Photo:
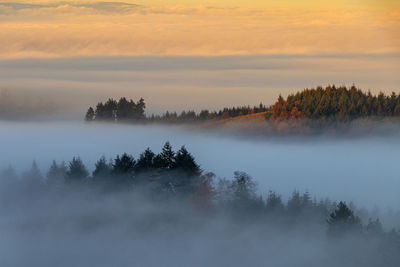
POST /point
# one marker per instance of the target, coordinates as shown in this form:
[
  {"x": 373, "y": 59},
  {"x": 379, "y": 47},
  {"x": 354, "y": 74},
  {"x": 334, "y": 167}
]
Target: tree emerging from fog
[{"x": 174, "y": 180}]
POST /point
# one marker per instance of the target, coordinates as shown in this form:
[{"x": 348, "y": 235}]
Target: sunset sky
[
  {"x": 192, "y": 54},
  {"x": 195, "y": 27}
]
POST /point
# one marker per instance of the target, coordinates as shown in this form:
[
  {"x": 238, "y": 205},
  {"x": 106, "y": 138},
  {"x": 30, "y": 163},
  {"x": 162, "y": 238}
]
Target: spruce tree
[
  {"x": 76, "y": 171},
  {"x": 145, "y": 161},
  {"x": 186, "y": 162},
  {"x": 102, "y": 169}
]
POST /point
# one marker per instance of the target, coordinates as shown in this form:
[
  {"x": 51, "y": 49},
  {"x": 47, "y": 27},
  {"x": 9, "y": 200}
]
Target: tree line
[
  {"x": 338, "y": 103},
  {"x": 168, "y": 170},
  {"x": 129, "y": 110},
  {"x": 121, "y": 110},
  {"x": 331, "y": 102},
  {"x": 176, "y": 174},
  {"x": 207, "y": 115}
]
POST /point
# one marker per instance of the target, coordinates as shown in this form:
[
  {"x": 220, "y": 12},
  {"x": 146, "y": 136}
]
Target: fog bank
[{"x": 363, "y": 170}]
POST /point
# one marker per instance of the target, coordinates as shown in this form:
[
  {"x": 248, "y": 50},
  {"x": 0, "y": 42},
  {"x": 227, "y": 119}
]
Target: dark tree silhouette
[
  {"x": 186, "y": 162},
  {"x": 123, "y": 169},
  {"x": 102, "y": 169},
  {"x": 124, "y": 164},
  {"x": 166, "y": 159},
  {"x": 90, "y": 114},
  {"x": 145, "y": 161},
  {"x": 76, "y": 171},
  {"x": 343, "y": 220}
]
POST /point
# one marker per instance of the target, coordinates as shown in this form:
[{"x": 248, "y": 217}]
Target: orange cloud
[{"x": 71, "y": 29}]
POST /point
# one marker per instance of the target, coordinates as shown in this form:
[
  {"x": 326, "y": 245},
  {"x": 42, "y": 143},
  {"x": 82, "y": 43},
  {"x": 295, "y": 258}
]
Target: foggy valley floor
[
  {"x": 84, "y": 226},
  {"x": 80, "y": 226},
  {"x": 363, "y": 170}
]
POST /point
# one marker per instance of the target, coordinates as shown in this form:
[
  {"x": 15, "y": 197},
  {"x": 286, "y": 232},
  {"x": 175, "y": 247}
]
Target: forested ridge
[
  {"x": 335, "y": 103},
  {"x": 329, "y": 103}
]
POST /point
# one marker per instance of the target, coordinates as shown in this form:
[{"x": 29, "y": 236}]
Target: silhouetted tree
[
  {"x": 123, "y": 168},
  {"x": 102, "y": 169},
  {"x": 140, "y": 108},
  {"x": 166, "y": 159},
  {"x": 145, "y": 161},
  {"x": 186, "y": 162},
  {"x": 76, "y": 171},
  {"x": 90, "y": 114},
  {"x": 343, "y": 220}
]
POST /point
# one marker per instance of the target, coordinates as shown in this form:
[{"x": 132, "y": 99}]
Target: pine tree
[
  {"x": 76, "y": 171},
  {"x": 166, "y": 159},
  {"x": 123, "y": 168},
  {"x": 186, "y": 162},
  {"x": 140, "y": 108},
  {"x": 343, "y": 220},
  {"x": 145, "y": 161},
  {"x": 90, "y": 114},
  {"x": 102, "y": 169}
]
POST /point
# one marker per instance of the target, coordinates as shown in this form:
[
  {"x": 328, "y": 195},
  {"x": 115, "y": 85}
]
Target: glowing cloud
[{"x": 76, "y": 28}]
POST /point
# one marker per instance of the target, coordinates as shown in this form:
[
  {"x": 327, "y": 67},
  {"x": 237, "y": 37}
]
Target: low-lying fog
[
  {"x": 362, "y": 170},
  {"x": 80, "y": 226}
]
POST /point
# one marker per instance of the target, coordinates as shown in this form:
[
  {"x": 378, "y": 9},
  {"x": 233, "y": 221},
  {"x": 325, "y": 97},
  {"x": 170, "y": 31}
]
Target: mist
[
  {"x": 122, "y": 229},
  {"x": 80, "y": 226},
  {"x": 363, "y": 170},
  {"x": 66, "y": 87}
]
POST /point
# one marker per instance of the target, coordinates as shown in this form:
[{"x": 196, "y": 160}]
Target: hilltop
[{"x": 304, "y": 112}]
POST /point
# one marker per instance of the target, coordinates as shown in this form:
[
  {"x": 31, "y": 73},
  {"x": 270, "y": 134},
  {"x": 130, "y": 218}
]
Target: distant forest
[
  {"x": 331, "y": 103},
  {"x": 176, "y": 175},
  {"x": 124, "y": 110}
]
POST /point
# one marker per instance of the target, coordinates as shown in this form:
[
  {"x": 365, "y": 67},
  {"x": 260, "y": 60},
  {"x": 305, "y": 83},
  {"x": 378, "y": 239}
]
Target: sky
[
  {"x": 194, "y": 27},
  {"x": 191, "y": 54}
]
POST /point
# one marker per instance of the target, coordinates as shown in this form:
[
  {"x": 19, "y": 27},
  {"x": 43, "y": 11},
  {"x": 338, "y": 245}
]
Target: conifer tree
[
  {"x": 166, "y": 159},
  {"x": 343, "y": 220},
  {"x": 77, "y": 171},
  {"x": 102, "y": 169},
  {"x": 145, "y": 161},
  {"x": 90, "y": 114},
  {"x": 186, "y": 162}
]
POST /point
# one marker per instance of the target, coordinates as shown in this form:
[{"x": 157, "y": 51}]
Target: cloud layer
[{"x": 116, "y": 28}]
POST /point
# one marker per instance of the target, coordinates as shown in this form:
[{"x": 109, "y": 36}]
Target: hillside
[{"x": 335, "y": 104}]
